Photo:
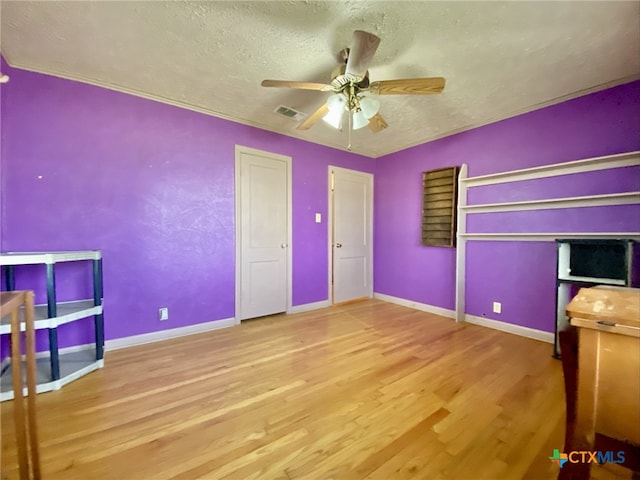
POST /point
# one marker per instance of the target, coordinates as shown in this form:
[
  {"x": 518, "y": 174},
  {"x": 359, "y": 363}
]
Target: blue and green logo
[{"x": 559, "y": 458}]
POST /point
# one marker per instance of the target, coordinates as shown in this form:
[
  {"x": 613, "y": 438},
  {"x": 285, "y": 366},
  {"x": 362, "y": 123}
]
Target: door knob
[
  {"x": 338, "y": 245},
  {"x": 283, "y": 245}
]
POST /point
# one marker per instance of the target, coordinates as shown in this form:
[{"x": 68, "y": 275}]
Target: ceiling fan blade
[
  {"x": 377, "y": 123},
  {"x": 362, "y": 49},
  {"x": 311, "y": 120},
  {"x": 408, "y": 86},
  {"x": 299, "y": 85}
]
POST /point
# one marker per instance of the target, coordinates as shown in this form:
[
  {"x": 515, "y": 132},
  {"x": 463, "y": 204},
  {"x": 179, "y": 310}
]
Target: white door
[
  {"x": 352, "y": 248},
  {"x": 262, "y": 233}
]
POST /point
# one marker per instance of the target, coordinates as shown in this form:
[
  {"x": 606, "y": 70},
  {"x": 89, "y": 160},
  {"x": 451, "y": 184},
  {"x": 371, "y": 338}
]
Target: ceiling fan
[{"x": 349, "y": 84}]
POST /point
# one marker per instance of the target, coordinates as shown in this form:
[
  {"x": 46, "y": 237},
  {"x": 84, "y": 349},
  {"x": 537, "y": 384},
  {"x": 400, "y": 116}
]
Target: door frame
[
  {"x": 330, "y": 228},
  {"x": 239, "y": 150}
]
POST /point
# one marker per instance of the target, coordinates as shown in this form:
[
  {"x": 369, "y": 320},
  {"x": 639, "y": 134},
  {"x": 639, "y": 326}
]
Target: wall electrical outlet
[
  {"x": 497, "y": 307},
  {"x": 163, "y": 313}
]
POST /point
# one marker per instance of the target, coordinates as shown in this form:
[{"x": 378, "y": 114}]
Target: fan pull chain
[{"x": 349, "y": 141}]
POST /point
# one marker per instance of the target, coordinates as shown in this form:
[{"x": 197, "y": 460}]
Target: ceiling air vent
[{"x": 290, "y": 113}]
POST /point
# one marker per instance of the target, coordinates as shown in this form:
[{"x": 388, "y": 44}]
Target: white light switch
[{"x": 318, "y": 218}]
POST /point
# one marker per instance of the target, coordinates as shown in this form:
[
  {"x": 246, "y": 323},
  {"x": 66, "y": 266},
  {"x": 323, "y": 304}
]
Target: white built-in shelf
[
  {"x": 30, "y": 258},
  {"x": 625, "y": 198},
  {"x": 73, "y": 365},
  {"x": 556, "y": 170},
  {"x": 578, "y": 166},
  {"x": 67, "y": 312},
  {"x": 546, "y": 236}
]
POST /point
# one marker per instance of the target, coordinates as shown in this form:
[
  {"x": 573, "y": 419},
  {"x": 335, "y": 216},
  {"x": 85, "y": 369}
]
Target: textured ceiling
[{"x": 499, "y": 58}]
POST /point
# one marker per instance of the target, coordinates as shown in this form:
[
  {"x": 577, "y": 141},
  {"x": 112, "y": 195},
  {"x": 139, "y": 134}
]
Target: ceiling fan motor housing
[{"x": 340, "y": 80}]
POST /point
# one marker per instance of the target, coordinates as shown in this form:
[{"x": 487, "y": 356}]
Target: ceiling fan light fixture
[
  {"x": 334, "y": 118},
  {"x": 359, "y": 120},
  {"x": 369, "y": 106},
  {"x": 337, "y": 103}
]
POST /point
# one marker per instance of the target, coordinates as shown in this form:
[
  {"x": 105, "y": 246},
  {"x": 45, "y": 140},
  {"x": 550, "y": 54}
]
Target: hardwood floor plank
[
  {"x": 412, "y": 437},
  {"x": 364, "y": 390}
]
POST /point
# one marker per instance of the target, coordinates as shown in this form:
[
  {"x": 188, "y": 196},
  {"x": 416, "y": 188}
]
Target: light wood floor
[{"x": 367, "y": 390}]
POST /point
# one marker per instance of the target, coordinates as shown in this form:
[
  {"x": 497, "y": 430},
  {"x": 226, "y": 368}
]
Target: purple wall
[
  {"x": 521, "y": 275},
  {"x": 152, "y": 186}
]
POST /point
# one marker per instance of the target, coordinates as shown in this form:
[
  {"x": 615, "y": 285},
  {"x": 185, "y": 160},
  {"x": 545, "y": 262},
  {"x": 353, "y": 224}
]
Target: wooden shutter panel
[{"x": 439, "y": 207}]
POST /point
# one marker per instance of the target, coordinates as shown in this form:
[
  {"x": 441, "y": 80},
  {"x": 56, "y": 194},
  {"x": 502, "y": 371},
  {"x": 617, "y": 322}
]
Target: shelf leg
[
  {"x": 52, "y": 311},
  {"x": 53, "y": 348},
  {"x": 10, "y": 278},
  {"x": 97, "y": 301}
]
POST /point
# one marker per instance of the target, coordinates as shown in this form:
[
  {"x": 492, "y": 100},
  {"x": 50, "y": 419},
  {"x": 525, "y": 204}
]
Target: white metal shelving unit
[
  {"x": 545, "y": 171},
  {"x": 56, "y": 370}
]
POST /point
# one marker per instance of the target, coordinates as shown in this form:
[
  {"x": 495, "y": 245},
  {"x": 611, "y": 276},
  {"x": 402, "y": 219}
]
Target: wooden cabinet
[{"x": 608, "y": 373}]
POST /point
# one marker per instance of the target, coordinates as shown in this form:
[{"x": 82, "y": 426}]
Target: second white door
[{"x": 352, "y": 244}]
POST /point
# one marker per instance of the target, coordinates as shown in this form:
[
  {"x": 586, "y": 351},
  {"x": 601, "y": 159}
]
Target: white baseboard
[
  {"x": 443, "y": 312},
  {"x": 307, "y": 307},
  {"x": 135, "y": 340},
  {"x": 481, "y": 321},
  {"x": 510, "y": 328}
]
